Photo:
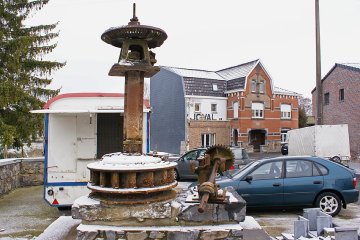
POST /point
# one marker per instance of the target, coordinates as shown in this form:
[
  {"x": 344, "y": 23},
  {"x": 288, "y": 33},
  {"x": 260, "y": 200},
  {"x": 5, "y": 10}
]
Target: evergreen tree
[
  {"x": 302, "y": 117},
  {"x": 24, "y": 75}
]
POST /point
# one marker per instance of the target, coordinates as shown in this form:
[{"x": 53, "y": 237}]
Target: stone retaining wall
[{"x": 20, "y": 172}]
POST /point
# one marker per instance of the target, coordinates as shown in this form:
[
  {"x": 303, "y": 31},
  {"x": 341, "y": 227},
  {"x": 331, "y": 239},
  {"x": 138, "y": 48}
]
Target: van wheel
[{"x": 329, "y": 203}]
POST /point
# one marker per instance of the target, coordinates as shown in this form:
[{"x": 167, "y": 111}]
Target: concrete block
[
  {"x": 311, "y": 214},
  {"x": 323, "y": 220},
  {"x": 346, "y": 233},
  {"x": 329, "y": 232},
  {"x": 301, "y": 227}
]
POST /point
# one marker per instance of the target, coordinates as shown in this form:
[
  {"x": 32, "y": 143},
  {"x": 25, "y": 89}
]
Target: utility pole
[{"x": 319, "y": 89}]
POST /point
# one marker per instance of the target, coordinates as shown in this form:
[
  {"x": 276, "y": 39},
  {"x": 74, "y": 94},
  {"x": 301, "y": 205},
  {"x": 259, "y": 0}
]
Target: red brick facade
[
  {"x": 342, "y": 111},
  {"x": 262, "y": 134}
]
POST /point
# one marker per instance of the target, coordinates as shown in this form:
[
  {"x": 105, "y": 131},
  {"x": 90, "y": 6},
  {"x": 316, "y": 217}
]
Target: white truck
[{"x": 327, "y": 141}]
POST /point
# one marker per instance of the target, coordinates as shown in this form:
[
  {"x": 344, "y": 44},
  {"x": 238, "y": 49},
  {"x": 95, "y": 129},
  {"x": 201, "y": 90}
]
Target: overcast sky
[{"x": 205, "y": 34}]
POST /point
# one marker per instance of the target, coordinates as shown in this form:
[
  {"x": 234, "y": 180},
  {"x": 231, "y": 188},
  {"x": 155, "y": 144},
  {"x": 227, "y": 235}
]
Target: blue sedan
[{"x": 295, "y": 181}]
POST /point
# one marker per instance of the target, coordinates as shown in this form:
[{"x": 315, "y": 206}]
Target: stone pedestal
[
  {"x": 180, "y": 211},
  {"x": 173, "y": 219}
]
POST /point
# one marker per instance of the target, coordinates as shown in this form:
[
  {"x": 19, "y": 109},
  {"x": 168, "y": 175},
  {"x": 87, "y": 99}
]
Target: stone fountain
[{"x": 132, "y": 195}]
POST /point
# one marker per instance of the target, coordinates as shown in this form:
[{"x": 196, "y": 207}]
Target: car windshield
[{"x": 238, "y": 173}]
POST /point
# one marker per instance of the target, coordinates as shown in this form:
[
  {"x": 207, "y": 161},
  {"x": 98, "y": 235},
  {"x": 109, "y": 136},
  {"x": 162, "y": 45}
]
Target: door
[
  {"x": 62, "y": 147},
  {"x": 257, "y": 138},
  {"x": 264, "y": 186},
  {"x": 302, "y": 182},
  {"x": 109, "y": 133}
]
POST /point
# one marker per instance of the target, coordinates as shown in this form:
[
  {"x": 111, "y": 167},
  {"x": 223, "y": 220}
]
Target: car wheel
[
  {"x": 329, "y": 203},
  {"x": 176, "y": 175}
]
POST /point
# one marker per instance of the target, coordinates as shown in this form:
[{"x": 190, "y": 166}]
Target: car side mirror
[{"x": 249, "y": 178}]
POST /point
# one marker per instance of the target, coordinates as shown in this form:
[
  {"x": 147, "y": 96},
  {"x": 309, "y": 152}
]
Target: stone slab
[
  {"x": 249, "y": 229},
  {"x": 220, "y": 213}
]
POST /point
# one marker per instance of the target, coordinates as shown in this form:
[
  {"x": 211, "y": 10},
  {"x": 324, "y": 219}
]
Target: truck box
[{"x": 327, "y": 141}]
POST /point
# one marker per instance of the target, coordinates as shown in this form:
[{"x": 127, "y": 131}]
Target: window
[
  {"x": 253, "y": 85},
  {"x": 341, "y": 95},
  {"x": 197, "y": 107},
  {"x": 236, "y": 109},
  {"x": 190, "y": 156},
  {"x": 326, "y": 98},
  {"x": 300, "y": 168},
  {"x": 214, "y": 107},
  {"x": 322, "y": 169},
  {"x": 269, "y": 170},
  {"x": 207, "y": 140},
  {"x": 285, "y": 111},
  {"x": 257, "y": 110},
  {"x": 262, "y": 87},
  {"x": 215, "y": 87}
]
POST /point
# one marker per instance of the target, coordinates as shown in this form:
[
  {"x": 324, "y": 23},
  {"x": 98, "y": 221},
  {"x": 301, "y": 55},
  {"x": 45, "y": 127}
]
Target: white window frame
[
  {"x": 257, "y": 110},
  {"x": 285, "y": 111},
  {"x": 197, "y": 104},
  {"x": 236, "y": 109},
  {"x": 208, "y": 139}
]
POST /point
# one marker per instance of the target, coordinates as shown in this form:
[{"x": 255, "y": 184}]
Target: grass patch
[{"x": 273, "y": 231}]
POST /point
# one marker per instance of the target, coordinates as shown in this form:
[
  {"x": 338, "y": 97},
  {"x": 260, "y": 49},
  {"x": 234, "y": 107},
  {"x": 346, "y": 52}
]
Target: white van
[{"x": 79, "y": 129}]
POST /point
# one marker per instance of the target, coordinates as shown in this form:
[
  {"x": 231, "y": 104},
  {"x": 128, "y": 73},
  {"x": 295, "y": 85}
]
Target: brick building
[
  {"x": 236, "y": 106},
  {"x": 341, "y": 101}
]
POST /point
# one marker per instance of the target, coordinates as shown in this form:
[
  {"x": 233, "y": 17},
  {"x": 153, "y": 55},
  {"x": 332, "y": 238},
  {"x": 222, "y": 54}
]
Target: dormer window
[{"x": 215, "y": 87}]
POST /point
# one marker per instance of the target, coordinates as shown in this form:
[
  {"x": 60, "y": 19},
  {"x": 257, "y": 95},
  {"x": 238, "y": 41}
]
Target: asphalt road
[{"x": 24, "y": 214}]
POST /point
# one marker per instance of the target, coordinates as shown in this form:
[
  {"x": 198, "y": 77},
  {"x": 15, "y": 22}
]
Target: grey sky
[{"x": 205, "y": 34}]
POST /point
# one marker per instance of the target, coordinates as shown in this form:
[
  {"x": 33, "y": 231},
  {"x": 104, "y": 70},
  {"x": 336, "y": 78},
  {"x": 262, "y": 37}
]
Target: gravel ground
[{"x": 24, "y": 213}]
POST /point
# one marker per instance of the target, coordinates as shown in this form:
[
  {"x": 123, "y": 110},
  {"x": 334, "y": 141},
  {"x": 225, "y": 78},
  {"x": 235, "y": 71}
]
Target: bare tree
[{"x": 306, "y": 104}]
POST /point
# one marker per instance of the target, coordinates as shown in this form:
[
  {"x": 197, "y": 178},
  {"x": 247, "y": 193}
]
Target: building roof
[
  {"x": 239, "y": 71},
  {"x": 200, "y": 82},
  {"x": 282, "y": 91},
  {"x": 350, "y": 66},
  {"x": 195, "y": 73}
]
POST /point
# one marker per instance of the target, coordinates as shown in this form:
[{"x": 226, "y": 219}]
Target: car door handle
[
  {"x": 276, "y": 184},
  {"x": 317, "y": 182}
]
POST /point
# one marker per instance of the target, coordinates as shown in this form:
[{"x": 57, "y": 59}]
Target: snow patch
[
  {"x": 85, "y": 201},
  {"x": 122, "y": 161},
  {"x": 59, "y": 229}
]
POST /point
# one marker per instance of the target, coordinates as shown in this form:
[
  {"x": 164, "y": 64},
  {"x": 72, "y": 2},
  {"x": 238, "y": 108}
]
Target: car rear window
[{"x": 323, "y": 170}]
